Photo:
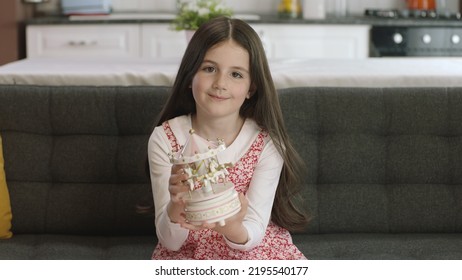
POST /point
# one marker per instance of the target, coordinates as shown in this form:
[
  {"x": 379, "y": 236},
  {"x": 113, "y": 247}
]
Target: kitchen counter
[
  {"x": 251, "y": 18},
  {"x": 371, "y": 72}
]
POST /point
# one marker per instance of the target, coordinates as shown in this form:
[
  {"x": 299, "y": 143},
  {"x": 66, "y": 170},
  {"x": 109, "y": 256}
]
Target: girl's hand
[
  {"x": 233, "y": 229},
  {"x": 177, "y": 189}
]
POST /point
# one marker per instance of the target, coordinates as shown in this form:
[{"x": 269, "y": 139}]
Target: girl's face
[{"x": 222, "y": 82}]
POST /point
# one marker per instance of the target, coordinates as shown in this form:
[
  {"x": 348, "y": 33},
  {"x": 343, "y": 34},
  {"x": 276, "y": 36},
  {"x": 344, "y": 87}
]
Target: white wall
[{"x": 355, "y": 7}]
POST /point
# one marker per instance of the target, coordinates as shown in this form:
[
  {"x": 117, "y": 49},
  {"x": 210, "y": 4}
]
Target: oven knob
[
  {"x": 397, "y": 38},
  {"x": 455, "y": 39},
  {"x": 426, "y": 39}
]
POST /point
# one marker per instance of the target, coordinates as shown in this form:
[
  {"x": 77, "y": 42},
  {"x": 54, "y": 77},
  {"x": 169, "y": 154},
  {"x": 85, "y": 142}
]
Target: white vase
[{"x": 314, "y": 9}]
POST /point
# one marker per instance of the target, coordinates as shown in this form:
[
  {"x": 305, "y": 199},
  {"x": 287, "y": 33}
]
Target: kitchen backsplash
[{"x": 354, "y": 7}]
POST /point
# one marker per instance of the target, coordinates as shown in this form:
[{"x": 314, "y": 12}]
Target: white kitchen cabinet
[
  {"x": 78, "y": 40},
  {"x": 160, "y": 41},
  {"x": 286, "y": 41}
]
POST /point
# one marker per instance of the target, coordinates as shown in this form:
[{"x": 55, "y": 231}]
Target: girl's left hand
[{"x": 233, "y": 228}]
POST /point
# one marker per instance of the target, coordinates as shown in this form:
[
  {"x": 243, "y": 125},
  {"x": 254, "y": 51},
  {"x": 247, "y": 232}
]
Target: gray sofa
[{"x": 384, "y": 177}]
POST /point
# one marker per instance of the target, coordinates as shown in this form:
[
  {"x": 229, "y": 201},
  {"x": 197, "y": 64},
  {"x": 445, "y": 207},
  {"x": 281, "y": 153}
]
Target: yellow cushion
[{"x": 5, "y": 207}]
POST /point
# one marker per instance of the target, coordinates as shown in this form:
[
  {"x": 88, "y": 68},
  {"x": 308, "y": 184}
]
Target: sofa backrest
[
  {"x": 75, "y": 157},
  {"x": 379, "y": 159}
]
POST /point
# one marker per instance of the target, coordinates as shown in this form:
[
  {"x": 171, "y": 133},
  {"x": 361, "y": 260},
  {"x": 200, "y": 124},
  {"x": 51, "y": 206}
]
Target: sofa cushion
[
  {"x": 380, "y": 160},
  {"x": 76, "y": 157},
  {"x": 380, "y": 246},
  {"x": 5, "y": 207},
  {"x": 75, "y": 247}
]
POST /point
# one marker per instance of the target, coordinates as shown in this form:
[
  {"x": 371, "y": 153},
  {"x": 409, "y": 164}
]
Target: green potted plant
[{"x": 192, "y": 14}]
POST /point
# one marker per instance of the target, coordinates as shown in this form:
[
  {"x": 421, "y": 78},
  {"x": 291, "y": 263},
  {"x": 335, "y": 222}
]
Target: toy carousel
[{"x": 212, "y": 198}]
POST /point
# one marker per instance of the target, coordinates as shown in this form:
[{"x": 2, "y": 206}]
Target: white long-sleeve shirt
[{"x": 260, "y": 194}]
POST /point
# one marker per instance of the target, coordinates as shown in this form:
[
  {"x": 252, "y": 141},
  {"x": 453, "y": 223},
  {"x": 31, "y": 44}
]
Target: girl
[{"x": 224, "y": 89}]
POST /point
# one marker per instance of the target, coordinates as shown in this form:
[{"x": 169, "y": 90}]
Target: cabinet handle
[{"x": 82, "y": 43}]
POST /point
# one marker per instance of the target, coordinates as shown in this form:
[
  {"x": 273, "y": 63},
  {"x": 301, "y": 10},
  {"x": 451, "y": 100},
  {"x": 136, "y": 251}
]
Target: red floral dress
[{"x": 208, "y": 244}]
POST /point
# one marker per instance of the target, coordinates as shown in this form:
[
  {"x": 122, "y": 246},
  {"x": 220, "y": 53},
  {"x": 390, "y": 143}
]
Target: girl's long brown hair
[{"x": 263, "y": 107}]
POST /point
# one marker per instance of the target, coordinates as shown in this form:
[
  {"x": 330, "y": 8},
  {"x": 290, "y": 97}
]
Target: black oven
[
  {"x": 425, "y": 34},
  {"x": 416, "y": 41}
]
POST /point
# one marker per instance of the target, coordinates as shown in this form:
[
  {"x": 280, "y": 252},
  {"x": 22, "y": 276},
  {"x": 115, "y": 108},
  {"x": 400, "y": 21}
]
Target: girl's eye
[
  {"x": 237, "y": 75},
  {"x": 209, "y": 69}
]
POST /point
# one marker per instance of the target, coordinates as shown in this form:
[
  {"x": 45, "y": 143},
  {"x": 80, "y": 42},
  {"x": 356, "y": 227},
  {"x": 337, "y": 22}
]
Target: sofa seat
[
  {"x": 77, "y": 247},
  {"x": 380, "y": 246},
  {"x": 345, "y": 246}
]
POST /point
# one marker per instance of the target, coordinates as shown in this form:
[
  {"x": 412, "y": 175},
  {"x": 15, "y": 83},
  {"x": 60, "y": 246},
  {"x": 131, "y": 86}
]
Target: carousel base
[{"x": 216, "y": 206}]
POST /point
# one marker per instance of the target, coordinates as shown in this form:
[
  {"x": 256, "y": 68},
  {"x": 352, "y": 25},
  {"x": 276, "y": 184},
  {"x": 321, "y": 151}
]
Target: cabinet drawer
[
  {"x": 83, "y": 41},
  {"x": 314, "y": 41}
]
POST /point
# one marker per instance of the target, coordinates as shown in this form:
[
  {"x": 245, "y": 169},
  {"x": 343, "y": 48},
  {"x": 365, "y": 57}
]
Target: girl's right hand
[{"x": 177, "y": 189}]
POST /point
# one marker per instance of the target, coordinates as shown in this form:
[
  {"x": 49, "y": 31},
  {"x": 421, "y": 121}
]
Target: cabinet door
[
  {"x": 82, "y": 40},
  {"x": 314, "y": 41},
  {"x": 160, "y": 41}
]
